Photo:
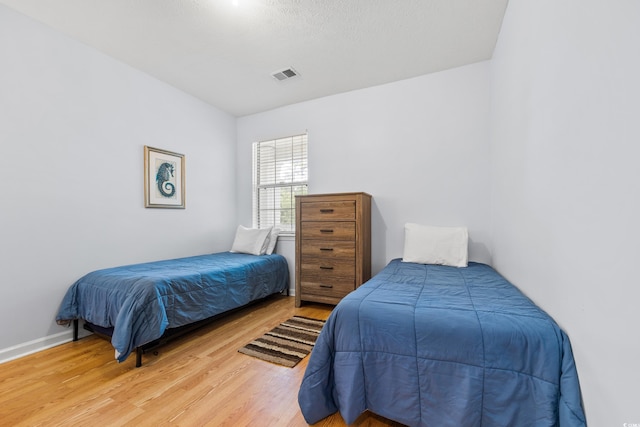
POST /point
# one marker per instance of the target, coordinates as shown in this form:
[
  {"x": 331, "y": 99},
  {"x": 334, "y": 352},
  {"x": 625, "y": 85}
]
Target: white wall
[
  {"x": 566, "y": 183},
  {"x": 73, "y": 123},
  {"x": 418, "y": 146}
]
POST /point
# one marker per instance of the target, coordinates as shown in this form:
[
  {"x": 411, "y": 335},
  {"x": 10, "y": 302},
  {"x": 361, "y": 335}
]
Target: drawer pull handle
[
  {"x": 326, "y": 286},
  {"x": 327, "y": 249},
  {"x": 322, "y": 267},
  {"x": 326, "y": 210},
  {"x": 326, "y": 231}
]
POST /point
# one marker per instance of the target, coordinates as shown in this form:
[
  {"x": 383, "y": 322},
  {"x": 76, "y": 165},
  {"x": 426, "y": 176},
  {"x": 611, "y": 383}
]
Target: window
[{"x": 279, "y": 174}]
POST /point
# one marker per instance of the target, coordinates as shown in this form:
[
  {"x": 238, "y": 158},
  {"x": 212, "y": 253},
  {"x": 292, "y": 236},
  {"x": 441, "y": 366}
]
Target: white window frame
[{"x": 280, "y": 172}]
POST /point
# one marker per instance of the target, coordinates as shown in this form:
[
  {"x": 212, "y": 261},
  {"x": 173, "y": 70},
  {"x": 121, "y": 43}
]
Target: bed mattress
[
  {"x": 430, "y": 345},
  {"x": 141, "y": 301}
]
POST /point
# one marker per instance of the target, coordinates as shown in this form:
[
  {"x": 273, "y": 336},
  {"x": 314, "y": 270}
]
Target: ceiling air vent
[{"x": 285, "y": 74}]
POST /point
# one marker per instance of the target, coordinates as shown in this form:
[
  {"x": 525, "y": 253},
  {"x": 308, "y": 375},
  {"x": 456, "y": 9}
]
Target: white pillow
[
  {"x": 436, "y": 245},
  {"x": 251, "y": 240},
  {"x": 272, "y": 240}
]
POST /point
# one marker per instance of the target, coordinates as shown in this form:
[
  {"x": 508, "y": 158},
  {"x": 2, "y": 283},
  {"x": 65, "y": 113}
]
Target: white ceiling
[{"x": 225, "y": 54}]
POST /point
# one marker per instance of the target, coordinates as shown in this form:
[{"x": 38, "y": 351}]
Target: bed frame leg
[
  {"x": 75, "y": 329},
  {"x": 138, "y": 357}
]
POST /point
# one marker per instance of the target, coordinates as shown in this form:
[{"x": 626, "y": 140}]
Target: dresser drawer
[
  {"x": 328, "y": 211},
  {"x": 332, "y": 230},
  {"x": 328, "y": 268},
  {"x": 335, "y": 289},
  {"x": 329, "y": 249}
]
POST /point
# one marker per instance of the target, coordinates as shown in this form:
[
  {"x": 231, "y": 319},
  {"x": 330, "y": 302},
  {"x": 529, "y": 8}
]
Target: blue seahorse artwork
[{"x": 163, "y": 178}]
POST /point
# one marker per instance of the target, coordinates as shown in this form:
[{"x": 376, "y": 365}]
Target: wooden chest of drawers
[{"x": 333, "y": 245}]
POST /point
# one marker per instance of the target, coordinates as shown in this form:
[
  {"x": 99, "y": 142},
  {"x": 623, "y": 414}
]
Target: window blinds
[{"x": 280, "y": 174}]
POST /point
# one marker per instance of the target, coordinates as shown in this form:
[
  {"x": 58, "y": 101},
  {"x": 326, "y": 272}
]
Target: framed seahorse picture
[{"x": 163, "y": 179}]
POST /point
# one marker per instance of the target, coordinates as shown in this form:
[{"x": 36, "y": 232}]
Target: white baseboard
[{"x": 20, "y": 350}]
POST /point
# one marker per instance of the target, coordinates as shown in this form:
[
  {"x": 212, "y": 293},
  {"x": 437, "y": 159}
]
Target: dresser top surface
[{"x": 335, "y": 195}]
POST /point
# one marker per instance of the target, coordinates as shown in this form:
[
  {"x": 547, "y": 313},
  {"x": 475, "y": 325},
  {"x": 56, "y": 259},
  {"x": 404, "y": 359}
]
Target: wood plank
[{"x": 197, "y": 380}]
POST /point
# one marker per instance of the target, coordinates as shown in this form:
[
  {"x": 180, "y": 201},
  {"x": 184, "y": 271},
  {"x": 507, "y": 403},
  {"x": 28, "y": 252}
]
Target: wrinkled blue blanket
[
  {"x": 140, "y": 301},
  {"x": 429, "y": 345}
]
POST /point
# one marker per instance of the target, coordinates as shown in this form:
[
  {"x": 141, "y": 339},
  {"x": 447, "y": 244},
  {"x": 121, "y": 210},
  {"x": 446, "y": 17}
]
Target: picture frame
[{"x": 164, "y": 183}]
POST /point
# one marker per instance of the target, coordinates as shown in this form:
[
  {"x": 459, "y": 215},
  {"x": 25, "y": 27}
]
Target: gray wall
[
  {"x": 420, "y": 147},
  {"x": 73, "y": 123},
  {"x": 566, "y": 183}
]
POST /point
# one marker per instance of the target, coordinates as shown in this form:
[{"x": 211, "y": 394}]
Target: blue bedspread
[
  {"x": 429, "y": 345},
  {"x": 140, "y": 301}
]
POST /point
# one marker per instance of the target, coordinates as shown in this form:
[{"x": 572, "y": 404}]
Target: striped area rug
[{"x": 288, "y": 343}]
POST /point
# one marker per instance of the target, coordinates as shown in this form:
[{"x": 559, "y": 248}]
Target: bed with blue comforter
[
  {"x": 431, "y": 345},
  {"x": 141, "y": 301}
]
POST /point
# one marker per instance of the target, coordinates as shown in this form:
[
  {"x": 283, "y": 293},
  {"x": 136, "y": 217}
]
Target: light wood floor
[{"x": 197, "y": 380}]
